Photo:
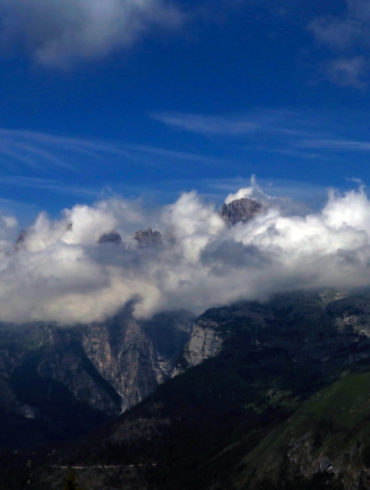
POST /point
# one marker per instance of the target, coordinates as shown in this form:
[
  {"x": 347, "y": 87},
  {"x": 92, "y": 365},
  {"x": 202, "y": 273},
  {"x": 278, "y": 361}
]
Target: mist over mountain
[
  {"x": 105, "y": 329},
  {"x": 88, "y": 264}
]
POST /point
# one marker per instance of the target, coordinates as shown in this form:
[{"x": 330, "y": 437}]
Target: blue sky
[{"x": 149, "y": 98}]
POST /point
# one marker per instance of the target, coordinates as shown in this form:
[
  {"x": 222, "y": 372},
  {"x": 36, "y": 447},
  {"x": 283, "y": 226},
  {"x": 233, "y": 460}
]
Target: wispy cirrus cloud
[
  {"x": 207, "y": 124},
  {"x": 349, "y": 72},
  {"x": 273, "y": 121},
  {"x": 43, "y": 151},
  {"x": 337, "y": 33},
  {"x": 335, "y": 144},
  {"x": 23, "y": 150},
  {"x": 86, "y": 168},
  {"x": 297, "y": 135},
  {"x": 342, "y": 32},
  {"x": 280, "y": 134},
  {"x": 51, "y": 185},
  {"x": 347, "y": 36}
]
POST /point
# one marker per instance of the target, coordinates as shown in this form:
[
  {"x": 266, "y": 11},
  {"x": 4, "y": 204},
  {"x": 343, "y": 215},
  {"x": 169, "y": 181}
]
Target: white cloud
[
  {"x": 346, "y": 34},
  {"x": 348, "y": 72},
  {"x": 8, "y": 228},
  {"x": 251, "y": 192},
  {"x": 335, "y": 144},
  {"x": 58, "y": 32},
  {"x": 59, "y": 272},
  {"x": 209, "y": 125},
  {"x": 253, "y": 123},
  {"x": 337, "y": 33},
  {"x": 193, "y": 224},
  {"x": 342, "y": 32}
]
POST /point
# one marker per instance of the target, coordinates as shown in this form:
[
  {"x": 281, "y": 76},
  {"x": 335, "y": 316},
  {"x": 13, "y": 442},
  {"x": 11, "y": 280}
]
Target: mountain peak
[
  {"x": 148, "y": 238},
  {"x": 112, "y": 237},
  {"x": 240, "y": 210}
]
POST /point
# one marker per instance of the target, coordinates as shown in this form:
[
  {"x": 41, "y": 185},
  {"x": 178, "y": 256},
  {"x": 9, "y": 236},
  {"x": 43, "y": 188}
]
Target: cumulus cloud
[
  {"x": 58, "y": 32},
  {"x": 8, "y": 228},
  {"x": 59, "y": 272},
  {"x": 251, "y": 192}
]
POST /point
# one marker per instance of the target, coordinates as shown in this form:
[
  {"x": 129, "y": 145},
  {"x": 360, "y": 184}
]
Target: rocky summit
[
  {"x": 148, "y": 238},
  {"x": 240, "y": 210}
]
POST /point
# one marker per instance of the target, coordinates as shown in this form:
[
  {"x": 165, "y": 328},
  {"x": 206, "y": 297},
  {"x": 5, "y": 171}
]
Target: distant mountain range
[
  {"x": 264, "y": 395},
  {"x": 255, "y": 395},
  {"x": 60, "y": 382}
]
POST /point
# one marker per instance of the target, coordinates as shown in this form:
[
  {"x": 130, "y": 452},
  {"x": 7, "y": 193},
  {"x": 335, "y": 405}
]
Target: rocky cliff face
[
  {"x": 49, "y": 388},
  {"x": 57, "y": 383},
  {"x": 205, "y": 342},
  {"x": 148, "y": 238},
  {"x": 134, "y": 357},
  {"x": 309, "y": 325}
]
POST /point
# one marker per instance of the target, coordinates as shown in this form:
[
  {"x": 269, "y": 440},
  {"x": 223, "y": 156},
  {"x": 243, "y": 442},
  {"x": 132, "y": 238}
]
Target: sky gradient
[{"x": 150, "y": 98}]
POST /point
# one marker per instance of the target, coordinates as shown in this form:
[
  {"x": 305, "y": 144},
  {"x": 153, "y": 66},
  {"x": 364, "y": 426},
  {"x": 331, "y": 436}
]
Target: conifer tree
[{"x": 71, "y": 482}]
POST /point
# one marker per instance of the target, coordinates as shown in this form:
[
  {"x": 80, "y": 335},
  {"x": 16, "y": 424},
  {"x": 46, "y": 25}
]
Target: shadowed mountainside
[
  {"x": 259, "y": 411},
  {"x": 58, "y": 382}
]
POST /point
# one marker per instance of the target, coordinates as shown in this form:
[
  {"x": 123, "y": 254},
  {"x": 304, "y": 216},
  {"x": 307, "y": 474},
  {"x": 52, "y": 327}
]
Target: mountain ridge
[{"x": 198, "y": 429}]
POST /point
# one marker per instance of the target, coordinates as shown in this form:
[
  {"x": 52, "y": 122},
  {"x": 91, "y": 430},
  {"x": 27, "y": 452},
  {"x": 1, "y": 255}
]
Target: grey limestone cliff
[
  {"x": 59, "y": 382},
  {"x": 135, "y": 356},
  {"x": 204, "y": 343}
]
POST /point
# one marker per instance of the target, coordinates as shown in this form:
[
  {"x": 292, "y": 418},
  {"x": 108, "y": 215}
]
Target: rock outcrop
[
  {"x": 135, "y": 356},
  {"x": 59, "y": 382},
  {"x": 240, "y": 211},
  {"x": 148, "y": 238},
  {"x": 112, "y": 237},
  {"x": 205, "y": 342}
]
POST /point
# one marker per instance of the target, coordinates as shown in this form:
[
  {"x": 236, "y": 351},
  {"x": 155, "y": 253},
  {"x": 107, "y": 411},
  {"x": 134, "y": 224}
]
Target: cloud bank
[
  {"x": 59, "y": 33},
  {"x": 57, "y": 270}
]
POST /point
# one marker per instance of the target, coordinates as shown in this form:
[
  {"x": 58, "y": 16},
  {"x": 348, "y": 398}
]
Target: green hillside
[{"x": 329, "y": 433}]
